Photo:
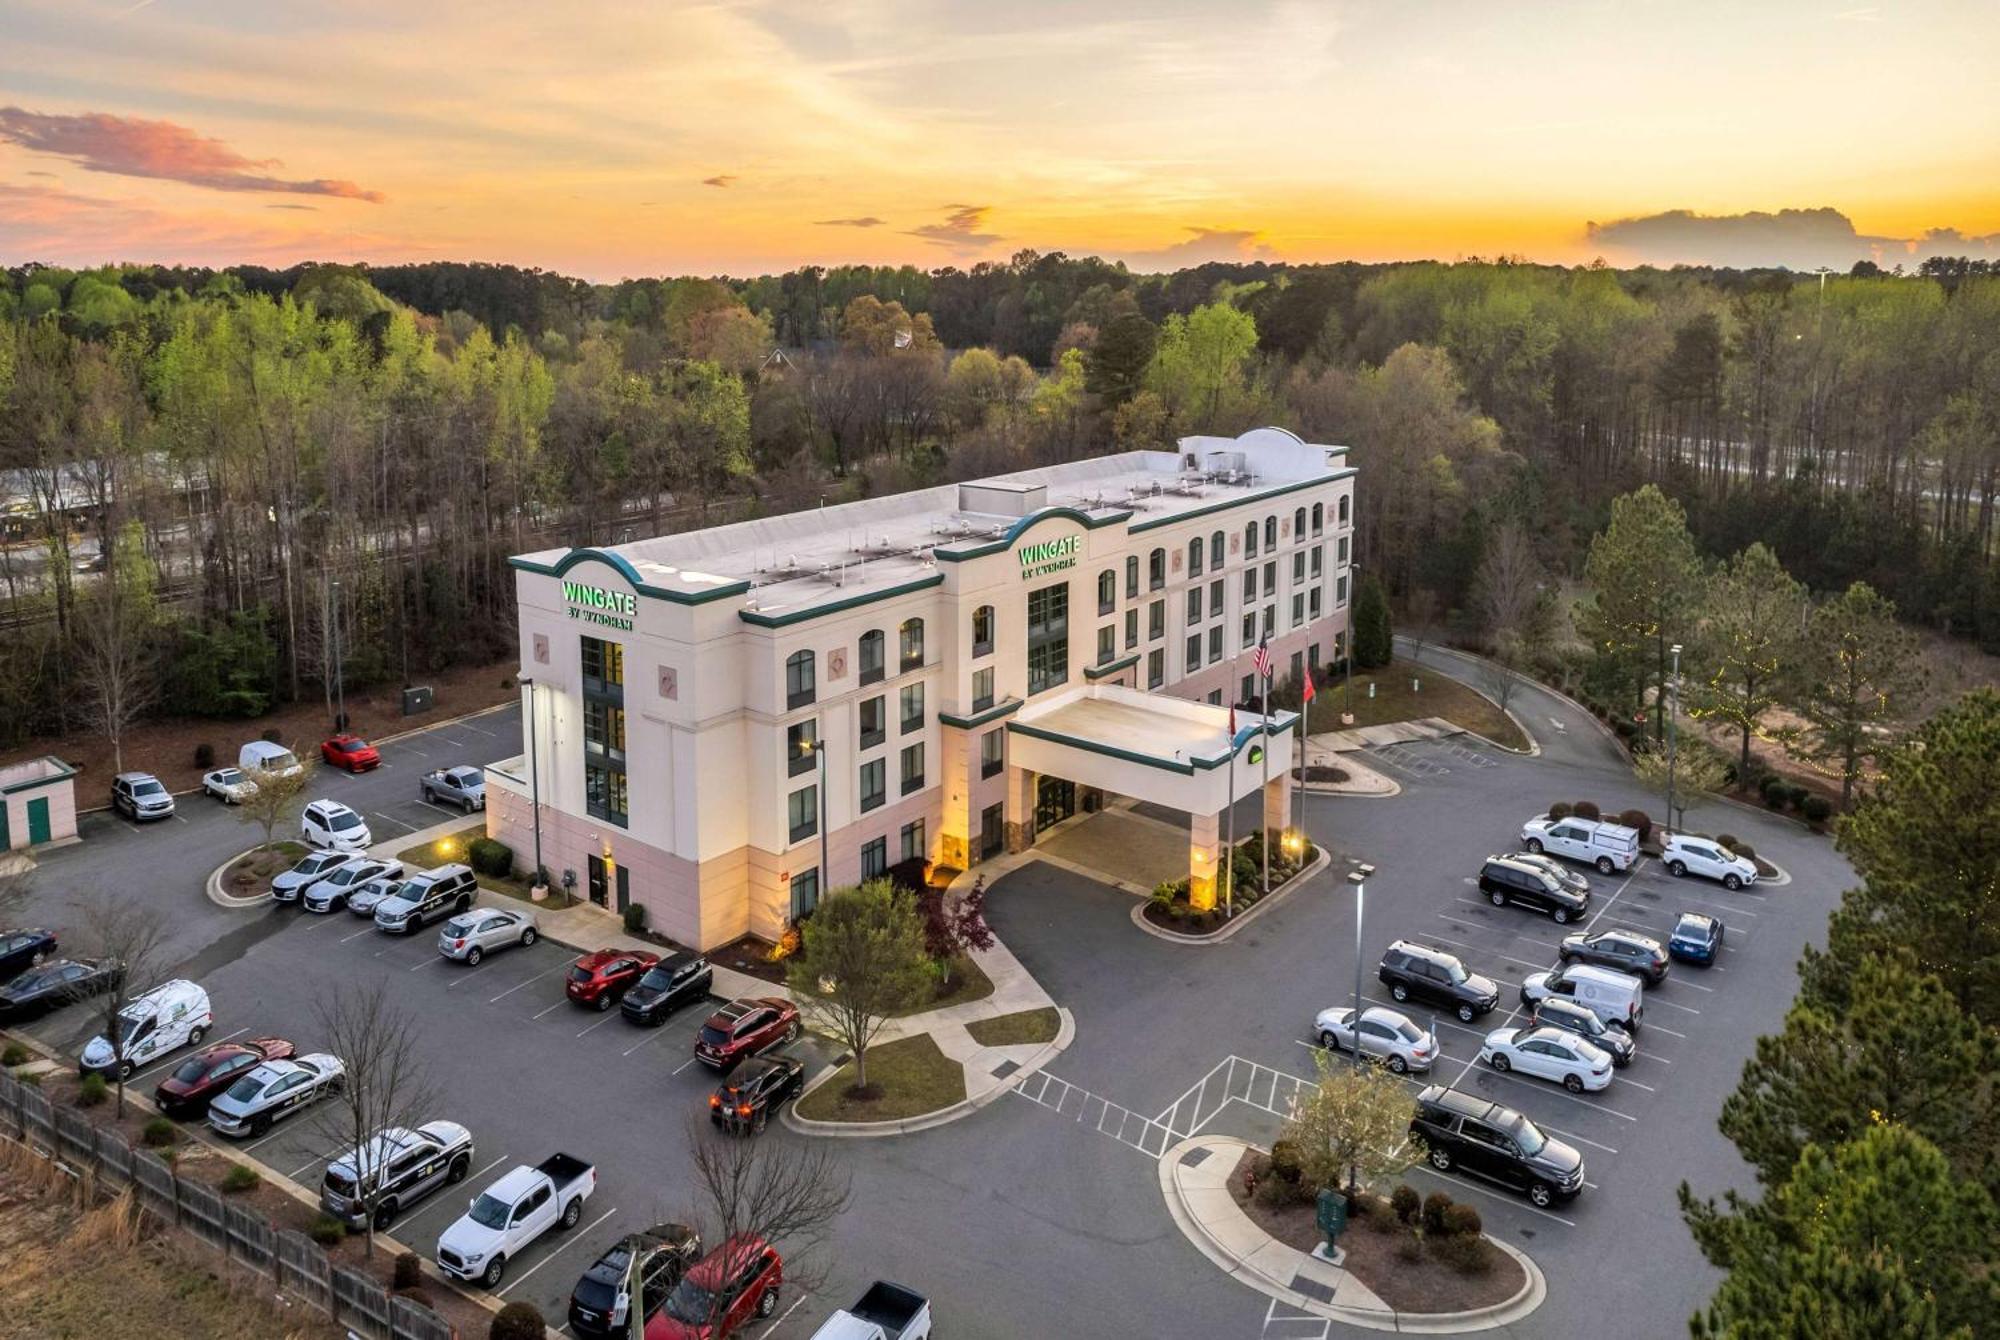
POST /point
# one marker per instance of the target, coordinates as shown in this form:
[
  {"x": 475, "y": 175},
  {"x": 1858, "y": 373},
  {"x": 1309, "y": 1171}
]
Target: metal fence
[{"x": 295, "y": 1262}]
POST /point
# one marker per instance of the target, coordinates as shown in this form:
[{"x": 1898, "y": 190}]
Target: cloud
[
  {"x": 1205, "y": 244},
  {"x": 960, "y": 229},
  {"x": 1799, "y": 239},
  {"x": 865, "y": 221},
  {"x": 305, "y": 207},
  {"x": 99, "y": 142},
  {"x": 50, "y": 175},
  {"x": 720, "y": 179}
]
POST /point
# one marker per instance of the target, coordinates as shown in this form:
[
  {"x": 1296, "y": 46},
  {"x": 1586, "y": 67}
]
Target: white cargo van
[
  {"x": 174, "y": 1014},
  {"x": 263, "y": 758},
  {"x": 1615, "y": 997}
]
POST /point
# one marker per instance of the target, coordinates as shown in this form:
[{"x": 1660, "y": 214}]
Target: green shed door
[{"x": 38, "y": 820}]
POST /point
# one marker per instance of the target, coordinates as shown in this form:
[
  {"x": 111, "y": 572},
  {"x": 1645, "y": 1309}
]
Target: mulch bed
[
  {"x": 750, "y": 954},
  {"x": 1423, "y": 1285},
  {"x": 1320, "y": 772},
  {"x": 252, "y": 872}
]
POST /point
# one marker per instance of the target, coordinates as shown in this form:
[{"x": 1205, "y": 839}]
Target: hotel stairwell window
[
  {"x": 1194, "y": 605},
  {"x": 1270, "y": 532},
  {"x": 1250, "y": 540},
  {"x": 1270, "y": 620},
  {"x": 874, "y": 784},
  {"x": 1249, "y": 585},
  {"x": 802, "y": 812},
  {"x": 1341, "y": 556},
  {"x": 1131, "y": 575},
  {"x": 1319, "y": 517},
  {"x": 910, "y": 644},
  {"x": 1215, "y": 642},
  {"x": 913, "y": 768},
  {"x": 1299, "y": 526},
  {"x": 1194, "y": 653},
  {"x": 604, "y": 782},
  {"x": 874, "y": 721},
  {"x": 874, "y": 858},
  {"x": 1215, "y": 599},
  {"x": 1298, "y": 609},
  {"x": 1343, "y": 509},
  {"x": 1048, "y": 636},
  {"x": 1312, "y": 603},
  {"x": 1107, "y": 591},
  {"x": 799, "y": 685},
  {"x": 1298, "y": 568},
  {"x": 982, "y": 631},
  {"x": 1156, "y": 570},
  {"x": 1271, "y": 578},
  {"x": 1217, "y": 552},
  {"x": 1131, "y": 629},
  {"x": 992, "y": 752},
  {"x": 801, "y": 741},
  {"x": 982, "y": 689},
  {"x": 1156, "y": 668},
  {"x": 1107, "y": 644},
  {"x": 910, "y": 698},
  {"x": 1194, "y": 556},
  {"x": 1249, "y": 690},
  {"x": 1319, "y": 560},
  {"x": 1340, "y": 589},
  {"x": 914, "y": 846},
  {"x": 1156, "y": 620},
  {"x": 872, "y": 644}
]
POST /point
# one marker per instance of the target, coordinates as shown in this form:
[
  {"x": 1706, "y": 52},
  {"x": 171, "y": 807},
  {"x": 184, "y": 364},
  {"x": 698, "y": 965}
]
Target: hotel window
[
  {"x": 874, "y": 858},
  {"x": 911, "y": 699},
  {"x": 801, "y": 739},
  {"x": 982, "y": 689},
  {"x": 798, "y": 679},
  {"x": 1156, "y": 668},
  {"x": 911, "y": 643},
  {"x": 1194, "y": 605},
  {"x": 913, "y": 768},
  {"x": 1343, "y": 509},
  {"x": 1299, "y": 526},
  {"x": 982, "y": 631},
  {"x": 1270, "y": 620},
  {"x": 1215, "y": 599},
  {"x": 1312, "y": 657},
  {"x": 1271, "y": 578},
  {"x": 874, "y": 784},
  {"x": 805, "y": 894},
  {"x": 1194, "y": 653},
  {"x": 1048, "y": 637},
  {"x": 1131, "y": 629},
  {"x": 1299, "y": 568},
  {"x": 1298, "y": 609},
  {"x": 871, "y": 655},
  {"x": 1107, "y": 591},
  {"x": 604, "y": 667},
  {"x": 1156, "y": 620},
  {"x": 802, "y": 809},
  {"x": 874, "y": 724},
  {"x": 1340, "y": 589},
  {"x": 1156, "y": 570},
  {"x": 1319, "y": 559},
  {"x": 1341, "y": 557},
  {"x": 992, "y": 829},
  {"x": 1215, "y": 642},
  {"x": 1249, "y": 690},
  {"x": 1131, "y": 576},
  {"x": 1249, "y": 628},
  {"x": 1270, "y": 532},
  {"x": 1249, "y": 584},
  {"x": 914, "y": 847},
  {"x": 992, "y": 752},
  {"x": 1107, "y": 643},
  {"x": 1215, "y": 697},
  {"x": 1319, "y": 517},
  {"x": 1216, "y": 552},
  {"x": 1250, "y": 540},
  {"x": 1194, "y": 557},
  {"x": 604, "y": 794},
  {"x": 1298, "y": 666},
  {"x": 1312, "y": 603}
]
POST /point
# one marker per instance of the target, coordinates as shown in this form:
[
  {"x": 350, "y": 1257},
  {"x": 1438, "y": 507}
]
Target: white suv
[
  {"x": 1607, "y": 846},
  {"x": 1688, "y": 855},
  {"x": 330, "y": 825}
]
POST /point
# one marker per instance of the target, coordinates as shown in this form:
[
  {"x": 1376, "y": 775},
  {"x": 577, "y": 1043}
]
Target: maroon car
[
  {"x": 601, "y": 980},
  {"x": 186, "y": 1092},
  {"x": 745, "y": 1027}
]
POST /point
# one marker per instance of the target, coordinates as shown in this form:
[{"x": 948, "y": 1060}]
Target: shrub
[
  {"x": 1587, "y": 809},
  {"x": 518, "y": 1321},
  {"x": 1744, "y": 849},
  {"x": 1410, "y": 1250},
  {"x": 92, "y": 1091},
  {"x": 1559, "y": 810},
  {"x": 1469, "y": 1255},
  {"x": 1404, "y": 1202},
  {"x": 1435, "y": 1205},
  {"x": 1728, "y": 841},
  {"x": 1773, "y": 790},
  {"x": 204, "y": 756},
  {"x": 1276, "y": 1192},
  {"x": 1462, "y": 1220},
  {"x": 1285, "y": 1160},
  {"x": 635, "y": 918},
  {"x": 1638, "y": 819},
  {"x": 15, "y": 1054},
  {"x": 159, "y": 1133},
  {"x": 31, "y": 1078},
  {"x": 409, "y": 1271},
  {"x": 1818, "y": 809},
  {"x": 273, "y": 735},
  {"x": 239, "y": 1178},
  {"x": 1626, "y": 730},
  {"x": 490, "y": 856},
  {"x": 326, "y": 1230},
  {"x": 1163, "y": 893},
  {"x": 1177, "y": 911}
]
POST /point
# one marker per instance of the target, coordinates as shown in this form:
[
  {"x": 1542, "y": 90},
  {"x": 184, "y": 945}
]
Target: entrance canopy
[{"x": 1150, "y": 746}]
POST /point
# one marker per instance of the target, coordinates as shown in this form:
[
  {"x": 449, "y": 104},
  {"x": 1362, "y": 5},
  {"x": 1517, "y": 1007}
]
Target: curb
[
  {"x": 213, "y": 888},
  {"x": 1534, "y": 749},
  {"x": 1492, "y": 1317},
  {"x": 862, "y": 1130},
  {"x": 1237, "y": 923},
  {"x": 1549, "y": 689}
]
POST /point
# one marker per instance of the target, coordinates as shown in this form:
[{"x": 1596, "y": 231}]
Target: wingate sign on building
[
  {"x": 601, "y": 605},
  {"x": 1039, "y": 560}
]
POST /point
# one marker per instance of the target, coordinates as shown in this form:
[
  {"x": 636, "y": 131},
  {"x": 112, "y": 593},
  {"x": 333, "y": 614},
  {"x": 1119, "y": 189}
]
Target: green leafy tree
[
  {"x": 861, "y": 960},
  {"x": 1646, "y": 576},
  {"x": 1861, "y": 667},
  {"x": 1876, "y": 1237},
  {"x": 1199, "y": 366},
  {"x": 1748, "y": 643},
  {"x": 1374, "y": 636},
  {"x": 1354, "y": 1128}
]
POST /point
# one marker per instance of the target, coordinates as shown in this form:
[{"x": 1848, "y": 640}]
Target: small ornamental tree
[
  {"x": 276, "y": 799},
  {"x": 1355, "y": 1125},
  {"x": 861, "y": 960}
]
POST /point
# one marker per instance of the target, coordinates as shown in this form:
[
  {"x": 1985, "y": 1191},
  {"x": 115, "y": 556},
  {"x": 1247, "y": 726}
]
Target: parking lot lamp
[
  {"x": 1358, "y": 877},
  {"x": 534, "y": 781},
  {"x": 818, "y": 746},
  {"x": 1673, "y": 732},
  {"x": 339, "y": 679}
]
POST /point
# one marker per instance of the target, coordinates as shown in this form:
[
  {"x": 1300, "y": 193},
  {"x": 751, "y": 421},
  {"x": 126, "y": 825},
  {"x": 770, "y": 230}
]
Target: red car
[
  {"x": 745, "y": 1027},
  {"x": 186, "y": 1092},
  {"x": 735, "y": 1282},
  {"x": 601, "y": 980},
  {"x": 351, "y": 753}
]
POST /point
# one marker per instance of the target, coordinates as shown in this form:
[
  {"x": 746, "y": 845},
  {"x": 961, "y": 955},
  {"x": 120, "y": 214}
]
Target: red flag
[
  {"x": 1232, "y": 723},
  {"x": 1310, "y": 691}
]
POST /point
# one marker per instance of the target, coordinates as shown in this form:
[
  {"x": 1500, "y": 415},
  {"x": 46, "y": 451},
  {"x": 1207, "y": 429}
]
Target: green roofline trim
[
  {"x": 994, "y": 713},
  {"x": 762, "y": 620},
  {"x": 623, "y": 567},
  {"x": 1027, "y": 523},
  {"x": 1111, "y": 667},
  {"x": 1280, "y": 723},
  {"x": 64, "y": 773},
  {"x": 1245, "y": 501}
]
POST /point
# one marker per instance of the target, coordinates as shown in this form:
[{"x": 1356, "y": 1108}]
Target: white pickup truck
[
  {"x": 886, "y": 1312},
  {"x": 513, "y": 1212}
]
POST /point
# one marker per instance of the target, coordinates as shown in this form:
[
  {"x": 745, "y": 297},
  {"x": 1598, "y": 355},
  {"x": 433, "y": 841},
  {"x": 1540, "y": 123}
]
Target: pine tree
[
  {"x": 1374, "y": 636},
  {"x": 1647, "y": 578},
  {"x": 1860, "y": 669},
  {"x": 1748, "y": 642}
]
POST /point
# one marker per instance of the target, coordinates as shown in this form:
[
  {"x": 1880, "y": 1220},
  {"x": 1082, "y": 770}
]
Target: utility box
[{"x": 417, "y": 699}]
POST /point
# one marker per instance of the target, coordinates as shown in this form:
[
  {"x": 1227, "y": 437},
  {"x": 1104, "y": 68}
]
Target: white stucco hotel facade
[{"x": 939, "y": 674}]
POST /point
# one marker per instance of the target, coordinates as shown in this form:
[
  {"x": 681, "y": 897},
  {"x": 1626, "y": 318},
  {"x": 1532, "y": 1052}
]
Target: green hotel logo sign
[
  {"x": 1039, "y": 560},
  {"x": 598, "y": 605}
]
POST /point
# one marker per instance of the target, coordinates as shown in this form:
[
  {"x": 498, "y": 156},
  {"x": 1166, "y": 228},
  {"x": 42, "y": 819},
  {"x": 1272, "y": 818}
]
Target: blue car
[{"x": 1696, "y": 939}]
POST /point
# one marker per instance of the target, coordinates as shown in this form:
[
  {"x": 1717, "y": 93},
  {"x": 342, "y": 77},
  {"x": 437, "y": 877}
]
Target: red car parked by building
[
  {"x": 350, "y": 753},
  {"x": 735, "y": 1282},
  {"x": 601, "y": 980},
  {"x": 186, "y": 1092},
  {"x": 745, "y": 1027}
]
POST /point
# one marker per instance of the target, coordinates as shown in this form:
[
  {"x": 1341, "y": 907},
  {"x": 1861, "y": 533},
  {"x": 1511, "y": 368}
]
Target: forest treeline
[{"x": 213, "y": 468}]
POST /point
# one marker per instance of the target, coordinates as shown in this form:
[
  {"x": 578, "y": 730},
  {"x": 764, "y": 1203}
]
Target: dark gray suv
[
  {"x": 1414, "y": 971},
  {"x": 1508, "y": 879},
  {"x": 1471, "y": 1134}
]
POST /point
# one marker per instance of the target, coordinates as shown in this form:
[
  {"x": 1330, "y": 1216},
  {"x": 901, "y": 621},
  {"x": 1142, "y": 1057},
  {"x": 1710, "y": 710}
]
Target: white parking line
[
  {"x": 651, "y": 1036},
  {"x": 1616, "y": 894},
  {"x": 433, "y": 959},
  {"x": 1572, "y": 1135},
  {"x": 797, "y": 1303},
  {"x": 407, "y": 828},
  {"x": 489, "y": 1167},
  {"x": 1508, "y": 1200},
  {"x": 602, "y": 1020},
  {"x": 479, "y": 730},
  {"x": 530, "y": 982},
  {"x": 267, "y": 1137},
  {"x": 1662, "y": 1028},
  {"x": 682, "y": 1066},
  {"x": 1695, "y": 985},
  {"x": 365, "y": 930},
  {"x": 319, "y": 1159},
  {"x": 439, "y": 808},
  {"x": 1555, "y": 1090},
  {"x": 1672, "y": 1005},
  {"x": 1620, "y": 1079},
  {"x": 1481, "y": 949},
  {"x": 574, "y": 1237}
]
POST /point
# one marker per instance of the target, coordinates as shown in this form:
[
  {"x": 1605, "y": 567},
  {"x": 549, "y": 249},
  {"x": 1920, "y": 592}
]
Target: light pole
[
  {"x": 817, "y": 746},
  {"x": 534, "y": 778},
  {"x": 339, "y": 679},
  {"x": 1358, "y": 877},
  {"x": 1353, "y": 598},
  {"x": 1673, "y": 710}
]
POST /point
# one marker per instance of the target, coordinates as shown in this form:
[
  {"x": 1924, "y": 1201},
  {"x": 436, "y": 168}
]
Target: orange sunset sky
[{"x": 614, "y": 138}]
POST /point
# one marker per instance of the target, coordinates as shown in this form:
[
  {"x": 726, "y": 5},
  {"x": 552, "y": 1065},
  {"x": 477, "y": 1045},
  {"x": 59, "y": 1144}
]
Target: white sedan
[
  {"x": 274, "y": 1090},
  {"x": 1549, "y": 1053},
  {"x": 228, "y": 785},
  {"x": 1388, "y": 1036}
]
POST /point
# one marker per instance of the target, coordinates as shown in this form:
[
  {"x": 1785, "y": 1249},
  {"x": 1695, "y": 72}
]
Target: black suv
[
  {"x": 597, "y": 1307},
  {"x": 1556, "y": 1012},
  {"x": 1507, "y": 879},
  {"x": 1621, "y": 951},
  {"x": 1474, "y": 1135},
  {"x": 667, "y": 985},
  {"x": 1414, "y": 970},
  {"x": 746, "y": 1100}
]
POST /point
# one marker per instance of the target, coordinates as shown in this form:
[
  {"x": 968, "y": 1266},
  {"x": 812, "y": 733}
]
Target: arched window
[
  {"x": 1156, "y": 570},
  {"x": 1298, "y": 525},
  {"x": 1270, "y": 532},
  {"x": 1194, "y": 557},
  {"x": 1319, "y": 517},
  {"x": 1107, "y": 590},
  {"x": 799, "y": 685},
  {"x": 1250, "y": 540},
  {"x": 872, "y": 643},
  {"x": 1131, "y": 575},
  {"x": 982, "y": 630},
  {"x": 1343, "y": 509},
  {"x": 911, "y": 639},
  {"x": 1215, "y": 551}
]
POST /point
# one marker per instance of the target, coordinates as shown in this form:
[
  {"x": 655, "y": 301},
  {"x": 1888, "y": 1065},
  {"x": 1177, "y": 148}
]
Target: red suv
[
  {"x": 735, "y": 1282},
  {"x": 600, "y": 980},
  {"x": 351, "y": 753},
  {"x": 186, "y": 1092},
  {"x": 745, "y": 1027}
]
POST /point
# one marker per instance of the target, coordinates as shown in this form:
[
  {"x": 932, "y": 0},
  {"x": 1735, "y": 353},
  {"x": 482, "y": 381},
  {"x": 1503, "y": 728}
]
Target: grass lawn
[
  {"x": 1010, "y": 1030},
  {"x": 912, "y": 1076},
  {"x": 452, "y": 848},
  {"x": 968, "y": 983},
  {"x": 1440, "y": 696}
]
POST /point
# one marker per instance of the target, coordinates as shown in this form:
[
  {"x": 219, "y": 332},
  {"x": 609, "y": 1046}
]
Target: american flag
[{"x": 1261, "y": 658}]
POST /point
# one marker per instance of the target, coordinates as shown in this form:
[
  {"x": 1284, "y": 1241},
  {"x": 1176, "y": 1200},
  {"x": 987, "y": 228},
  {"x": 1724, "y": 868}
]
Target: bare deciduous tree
[
  {"x": 1508, "y": 587},
  {"x": 388, "y": 1085},
  {"x": 1500, "y": 674},
  {"x": 130, "y": 935},
  {"x": 117, "y": 652}
]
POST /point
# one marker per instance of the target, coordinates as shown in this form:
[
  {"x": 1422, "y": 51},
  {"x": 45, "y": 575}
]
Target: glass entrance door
[
  {"x": 1055, "y": 800},
  {"x": 596, "y": 880}
]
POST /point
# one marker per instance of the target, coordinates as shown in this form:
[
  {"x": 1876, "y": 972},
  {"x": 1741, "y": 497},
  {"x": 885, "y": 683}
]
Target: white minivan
[
  {"x": 263, "y": 758},
  {"x": 172, "y": 1015},
  {"x": 1615, "y": 997},
  {"x": 1606, "y": 845}
]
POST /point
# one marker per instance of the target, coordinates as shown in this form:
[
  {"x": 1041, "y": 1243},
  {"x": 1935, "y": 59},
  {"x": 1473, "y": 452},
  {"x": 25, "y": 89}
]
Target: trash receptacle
[{"x": 417, "y": 699}]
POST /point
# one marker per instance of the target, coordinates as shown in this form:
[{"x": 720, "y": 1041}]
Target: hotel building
[{"x": 722, "y": 723}]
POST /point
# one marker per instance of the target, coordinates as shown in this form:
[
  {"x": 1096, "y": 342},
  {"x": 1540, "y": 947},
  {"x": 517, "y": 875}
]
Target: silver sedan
[
  {"x": 471, "y": 936},
  {"x": 1388, "y": 1036}
]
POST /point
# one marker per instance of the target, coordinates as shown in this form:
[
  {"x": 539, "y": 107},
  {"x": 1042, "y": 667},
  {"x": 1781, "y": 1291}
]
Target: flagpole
[
  {"x": 1229, "y": 855},
  {"x": 1264, "y": 647},
  {"x": 1305, "y": 709}
]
